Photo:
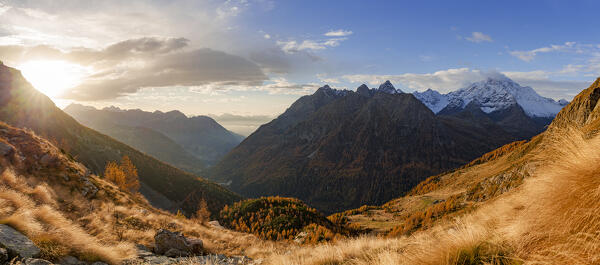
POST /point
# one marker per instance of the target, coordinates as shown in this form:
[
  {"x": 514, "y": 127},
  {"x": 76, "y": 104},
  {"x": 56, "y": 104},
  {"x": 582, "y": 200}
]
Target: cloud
[
  {"x": 478, "y": 37},
  {"x": 452, "y": 79},
  {"x": 443, "y": 81},
  {"x": 97, "y": 23},
  {"x": 127, "y": 66},
  {"x": 281, "y": 85},
  {"x": 541, "y": 82},
  {"x": 272, "y": 60},
  {"x": 528, "y": 56},
  {"x": 338, "y": 33},
  {"x": 293, "y": 46},
  {"x": 329, "y": 80}
]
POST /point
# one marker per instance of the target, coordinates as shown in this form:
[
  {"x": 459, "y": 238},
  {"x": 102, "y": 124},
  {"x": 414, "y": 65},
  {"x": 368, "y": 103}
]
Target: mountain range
[
  {"x": 165, "y": 186},
  {"x": 338, "y": 149},
  {"x": 189, "y": 143}
]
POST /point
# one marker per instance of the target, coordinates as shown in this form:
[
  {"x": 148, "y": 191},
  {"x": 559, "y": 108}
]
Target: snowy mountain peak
[
  {"x": 495, "y": 93},
  {"x": 432, "y": 99},
  {"x": 387, "y": 87},
  {"x": 563, "y": 102}
]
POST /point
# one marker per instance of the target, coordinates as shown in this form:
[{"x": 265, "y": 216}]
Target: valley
[{"x": 262, "y": 132}]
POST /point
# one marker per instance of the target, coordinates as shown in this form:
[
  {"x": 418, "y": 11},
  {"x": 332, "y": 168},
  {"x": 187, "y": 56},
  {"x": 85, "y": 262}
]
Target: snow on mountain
[
  {"x": 563, "y": 102},
  {"x": 333, "y": 92},
  {"x": 386, "y": 87},
  {"x": 432, "y": 99},
  {"x": 493, "y": 94}
]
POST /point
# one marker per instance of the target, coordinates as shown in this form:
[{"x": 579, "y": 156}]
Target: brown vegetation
[
  {"x": 552, "y": 218},
  {"x": 46, "y": 202},
  {"x": 124, "y": 175},
  {"x": 279, "y": 218}
]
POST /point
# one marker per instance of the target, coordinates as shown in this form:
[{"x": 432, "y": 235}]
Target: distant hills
[
  {"x": 339, "y": 149},
  {"x": 163, "y": 185},
  {"x": 189, "y": 143}
]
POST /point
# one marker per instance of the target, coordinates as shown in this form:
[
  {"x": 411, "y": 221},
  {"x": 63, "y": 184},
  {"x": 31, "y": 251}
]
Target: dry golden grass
[
  {"x": 45, "y": 202},
  {"x": 553, "y": 218},
  {"x": 31, "y": 210}
]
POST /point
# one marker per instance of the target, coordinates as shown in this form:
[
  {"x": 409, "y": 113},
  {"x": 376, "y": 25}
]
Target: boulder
[
  {"x": 47, "y": 160},
  {"x": 88, "y": 190},
  {"x": 3, "y": 255},
  {"x": 175, "y": 253},
  {"x": 70, "y": 260},
  {"x": 32, "y": 261},
  {"x": 6, "y": 149},
  {"x": 165, "y": 240},
  {"x": 197, "y": 246},
  {"x": 216, "y": 224},
  {"x": 16, "y": 244}
]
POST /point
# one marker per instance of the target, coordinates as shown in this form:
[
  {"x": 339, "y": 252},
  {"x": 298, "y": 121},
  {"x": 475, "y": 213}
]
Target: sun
[{"x": 53, "y": 78}]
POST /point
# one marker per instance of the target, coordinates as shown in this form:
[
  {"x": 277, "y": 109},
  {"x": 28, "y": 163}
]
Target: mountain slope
[
  {"x": 200, "y": 136},
  {"x": 66, "y": 211},
  {"x": 533, "y": 202},
  {"x": 23, "y": 106},
  {"x": 342, "y": 149},
  {"x": 491, "y": 175}
]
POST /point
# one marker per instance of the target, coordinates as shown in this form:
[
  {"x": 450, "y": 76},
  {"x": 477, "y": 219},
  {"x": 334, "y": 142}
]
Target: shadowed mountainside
[
  {"x": 23, "y": 106},
  {"x": 340, "y": 149}
]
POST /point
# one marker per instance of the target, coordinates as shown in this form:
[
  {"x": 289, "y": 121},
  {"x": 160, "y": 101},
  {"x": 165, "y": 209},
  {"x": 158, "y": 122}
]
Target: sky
[{"x": 244, "y": 62}]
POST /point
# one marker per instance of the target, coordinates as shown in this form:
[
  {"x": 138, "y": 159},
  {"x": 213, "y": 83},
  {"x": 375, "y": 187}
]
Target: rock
[
  {"x": 215, "y": 224},
  {"x": 89, "y": 189},
  {"x": 300, "y": 237},
  {"x": 99, "y": 263},
  {"x": 47, "y": 159},
  {"x": 175, "y": 253},
  {"x": 32, "y": 261},
  {"x": 197, "y": 246},
  {"x": 65, "y": 177},
  {"x": 6, "y": 149},
  {"x": 16, "y": 243},
  {"x": 164, "y": 240},
  {"x": 3, "y": 255},
  {"x": 70, "y": 260},
  {"x": 142, "y": 247},
  {"x": 157, "y": 260}
]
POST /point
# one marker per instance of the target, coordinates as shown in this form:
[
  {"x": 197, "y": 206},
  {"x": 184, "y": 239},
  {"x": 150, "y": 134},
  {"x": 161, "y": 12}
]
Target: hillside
[
  {"x": 530, "y": 202},
  {"x": 204, "y": 140},
  {"x": 55, "y": 202},
  {"x": 338, "y": 150},
  {"x": 24, "y": 107},
  {"x": 278, "y": 218},
  {"x": 483, "y": 179},
  {"x": 143, "y": 139}
]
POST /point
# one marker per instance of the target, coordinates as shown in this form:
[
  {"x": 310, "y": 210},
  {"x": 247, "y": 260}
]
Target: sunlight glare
[{"x": 53, "y": 78}]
